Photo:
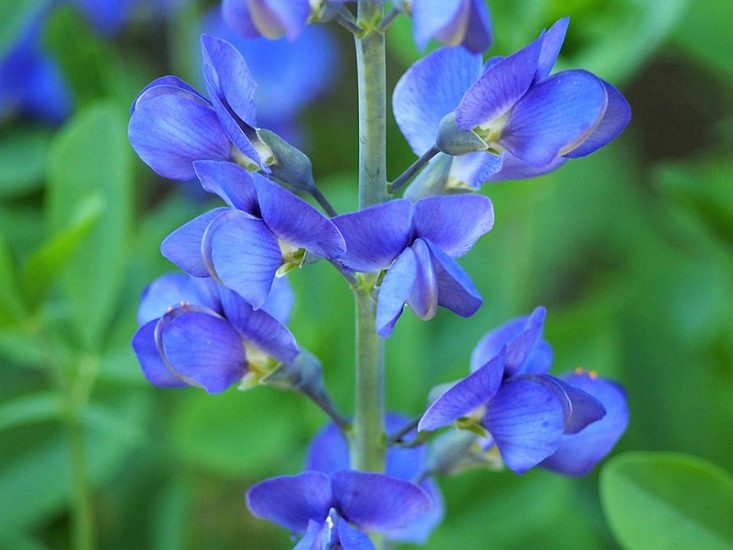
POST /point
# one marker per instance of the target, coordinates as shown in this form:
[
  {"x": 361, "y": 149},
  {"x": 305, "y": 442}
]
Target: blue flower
[
  {"x": 172, "y": 125},
  {"x": 268, "y": 18},
  {"x": 31, "y": 81},
  {"x": 565, "y": 423},
  {"x": 416, "y": 244},
  {"x": 194, "y": 332},
  {"x": 529, "y": 122},
  {"x": 259, "y": 236},
  {"x": 452, "y": 22},
  {"x": 329, "y": 452}
]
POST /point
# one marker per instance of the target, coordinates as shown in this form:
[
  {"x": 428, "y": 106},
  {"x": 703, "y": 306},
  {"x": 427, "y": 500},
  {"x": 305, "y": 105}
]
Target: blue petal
[
  {"x": 376, "y": 502},
  {"x": 429, "y": 90},
  {"x": 229, "y": 181},
  {"x": 296, "y": 222},
  {"x": 352, "y": 539},
  {"x": 170, "y": 131},
  {"x": 423, "y": 299},
  {"x": 453, "y": 222},
  {"x": 474, "y": 169},
  {"x": 152, "y": 363},
  {"x": 465, "y": 396},
  {"x": 579, "y": 453},
  {"x": 236, "y": 14},
  {"x": 243, "y": 254},
  {"x": 328, "y": 451},
  {"x": 280, "y": 301},
  {"x": 394, "y": 292},
  {"x": 499, "y": 88},
  {"x": 551, "y": 44},
  {"x": 614, "y": 121},
  {"x": 514, "y": 169},
  {"x": 292, "y": 501},
  {"x": 163, "y": 86},
  {"x": 526, "y": 421},
  {"x": 183, "y": 246},
  {"x": 539, "y": 360},
  {"x": 376, "y": 235},
  {"x": 456, "y": 291},
  {"x": 202, "y": 348},
  {"x": 418, "y": 530},
  {"x": 271, "y": 18},
  {"x": 258, "y": 328},
  {"x": 579, "y": 407},
  {"x": 406, "y": 463},
  {"x": 170, "y": 290},
  {"x": 433, "y": 17},
  {"x": 479, "y": 36},
  {"x": 554, "y": 117},
  {"x": 313, "y": 538}
]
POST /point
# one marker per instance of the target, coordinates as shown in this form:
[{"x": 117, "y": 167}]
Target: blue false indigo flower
[
  {"x": 529, "y": 418},
  {"x": 264, "y": 233},
  {"x": 529, "y": 122},
  {"x": 453, "y": 22},
  {"x": 416, "y": 244},
  {"x": 194, "y": 332},
  {"x": 336, "y": 510},
  {"x": 329, "y": 452},
  {"x": 172, "y": 125},
  {"x": 268, "y": 18}
]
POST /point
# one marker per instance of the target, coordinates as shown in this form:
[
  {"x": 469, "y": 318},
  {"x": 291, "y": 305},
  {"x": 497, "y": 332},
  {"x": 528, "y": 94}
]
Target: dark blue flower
[
  {"x": 194, "y": 332},
  {"x": 530, "y": 122},
  {"x": 329, "y": 452},
  {"x": 268, "y": 18},
  {"x": 416, "y": 244},
  {"x": 452, "y": 22},
  {"x": 336, "y": 510},
  {"x": 263, "y": 233},
  {"x": 172, "y": 125},
  {"x": 565, "y": 423}
]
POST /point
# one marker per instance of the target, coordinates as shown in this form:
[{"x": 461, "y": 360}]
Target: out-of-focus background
[{"x": 629, "y": 249}]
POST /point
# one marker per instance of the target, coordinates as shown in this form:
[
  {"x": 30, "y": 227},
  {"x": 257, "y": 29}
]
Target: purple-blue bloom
[
  {"x": 194, "y": 332},
  {"x": 268, "y": 18},
  {"x": 416, "y": 244},
  {"x": 565, "y": 423},
  {"x": 172, "y": 125},
  {"x": 529, "y": 122},
  {"x": 259, "y": 236},
  {"x": 452, "y": 22},
  {"x": 329, "y": 452}
]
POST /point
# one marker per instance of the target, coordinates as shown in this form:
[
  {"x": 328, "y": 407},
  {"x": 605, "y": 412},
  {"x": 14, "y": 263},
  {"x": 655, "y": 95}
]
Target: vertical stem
[
  {"x": 368, "y": 445},
  {"x": 83, "y": 524}
]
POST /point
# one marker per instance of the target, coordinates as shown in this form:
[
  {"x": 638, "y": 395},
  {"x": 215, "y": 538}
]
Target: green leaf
[
  {"x": 43, "y": 267},
  {"x": 668, "y": 500},
  {"x": 15, "y": 16},
  {"x": 10, "y": 304},
  {"x": 36, "y": 407},
  {"x": 90, "y": 156},
  {"x": 22, "y": 161}
]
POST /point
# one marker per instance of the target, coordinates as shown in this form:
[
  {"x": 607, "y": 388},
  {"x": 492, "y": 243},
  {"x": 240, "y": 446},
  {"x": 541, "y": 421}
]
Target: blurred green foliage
[{"x": 630, "y": 250}]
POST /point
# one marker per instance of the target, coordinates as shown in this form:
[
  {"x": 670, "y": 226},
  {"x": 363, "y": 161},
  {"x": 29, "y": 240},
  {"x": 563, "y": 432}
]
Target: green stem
[
  {"x": 368, "y": 445},
  {"x": 413, "y": 169},
  {"x": 83, "y": 535}
]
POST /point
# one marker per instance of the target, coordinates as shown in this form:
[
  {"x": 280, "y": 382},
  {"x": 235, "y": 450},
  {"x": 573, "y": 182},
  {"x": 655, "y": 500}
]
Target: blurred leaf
[
  {"x": 36, "y": 407},
  {"x": 15, "y": 16},
  {"x": 22, "y": 160},
  {"x": 668, "y": 500},
  {"x": 43, "y": 266},
  {"x": 22, "y": 348},
  {"x": 16, "y": 540},
  {"x": 91, "y": 156},
  {"x": 10, "y": 304}
]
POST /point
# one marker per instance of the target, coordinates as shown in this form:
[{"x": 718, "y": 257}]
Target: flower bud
[{"x": 455, "y": 141}]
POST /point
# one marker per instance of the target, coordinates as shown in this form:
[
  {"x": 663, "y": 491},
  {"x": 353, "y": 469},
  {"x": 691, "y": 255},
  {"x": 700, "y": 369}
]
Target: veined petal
[
  {"x": 166, "y": 85},
  {"x": 580, "y": 452},
  {"x": 170, "y": 290},
  {"x": 429, "y": 90},
  {"x": 183, "y": 246},
  {"x": 292, "y": 501},
  {"x": 395, "y": 290},
  {"x": 258, "y": 328},
  {"x": 243, "y": 254},
  {"x": 229, "y": 181},
  {"x": 453, "y": 222},
  {"x": 474, "y": 169},
  {"x": 554, "y": 117},
  {"x": 296, "y": 222},
  {"x": 465, "y": 396},
  {"x": 551, "y": 44},
  {"x": 328, "y": 451},
  {"x": 614, "y": 121},
  {"x": 423, "y": 299},
  {"x": 376, "y": 235},
  {"x": 499, "y": 88},
  {"x": 433, "y": 17},
  {"x": 456, "y": 291},
  {"x": 154, "y": 368},
  {"x": 376, "y": 502},
  {"x": 479, "y": 36},
  {"x": 202, "y": 347},
  {"x": 170, "y": 131},
  {"x": 526, "y": 421}
]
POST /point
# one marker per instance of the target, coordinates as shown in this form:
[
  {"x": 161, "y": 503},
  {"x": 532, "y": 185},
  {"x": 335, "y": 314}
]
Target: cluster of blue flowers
[{"x": 224, "y": 322}]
